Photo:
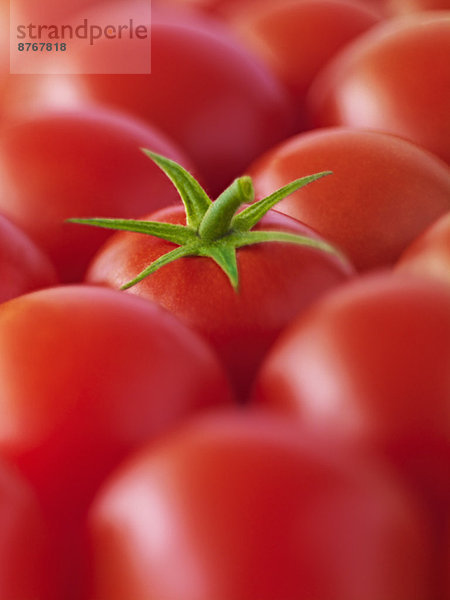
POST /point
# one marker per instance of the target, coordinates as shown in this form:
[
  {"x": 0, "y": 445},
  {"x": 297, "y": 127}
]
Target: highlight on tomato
[
  {"x": 249, "y": 506},
  {"x": 86, "y": 375},
  {"x": 237, "y": 278},
  {"x": 383, "y": 193}
]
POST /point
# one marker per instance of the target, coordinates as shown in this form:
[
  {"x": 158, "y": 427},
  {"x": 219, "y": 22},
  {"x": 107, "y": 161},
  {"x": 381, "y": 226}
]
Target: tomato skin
[
  {"x": 297, "y": 37},
  {"x": 23, "y": 266},
  {"x": 370, "y": 363},
  {"x": 383, "y": 193},
  {"x": 61, "y": 164},
  {"x": 389, "y": 79},
  {"x": 248, "y": 509},
  {"x": 277, "y": 281},
  {"x": 429, "y": 254},
  {"x": 86, "y": 375},
  {"x": 23, "y": 548}
]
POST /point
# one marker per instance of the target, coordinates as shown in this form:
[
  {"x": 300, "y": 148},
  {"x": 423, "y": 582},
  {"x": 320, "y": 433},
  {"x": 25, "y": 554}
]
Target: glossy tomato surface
[
  {"x": 371, "y": 362},
  {"x": 276, "y": 282},
  {"x": 384, "y": 191},
  {"x": 394, "y": 79},
  {"x": 429, "y": 254},
  {"x": 249, "y": 509},
  {"x": 86, "y": 375},
  {"x": 61, "y": 164},
  {"x": 23, "y": 265}
]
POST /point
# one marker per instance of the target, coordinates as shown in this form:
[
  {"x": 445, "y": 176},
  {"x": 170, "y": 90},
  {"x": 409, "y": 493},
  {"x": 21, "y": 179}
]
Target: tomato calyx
[{"x": 213, "y": 229}]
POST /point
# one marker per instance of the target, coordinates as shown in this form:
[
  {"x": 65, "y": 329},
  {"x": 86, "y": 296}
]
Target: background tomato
[
  {"x": 429, "y": 254},
  {"x": 205, "y": 91},
  {"x": 62, "y": 164},
  {"x": 23, "y": 266},
  {"x": 248, "y": 508},
  {"x": 86, "y": 375},
  {"x": 395, "y": 79},
  {"x": 370, "y": 362},
  {"x": 384, "y": 191}
]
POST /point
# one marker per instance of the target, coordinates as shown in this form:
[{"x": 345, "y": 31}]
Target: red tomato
[
  {"x": 87, "y": 162},
  {"x": 277, "y": 281},
  {"x": 23, "y": 266},
  {"x": 86, "y": 375},
  {"x": 395, "y": 78},
  {"x": 205, "y": 91},
  {"x": 429, "y": 254},
  {"x": 247, "y": 509},
  {"x": 23, "y": 548},
  {"x": 371, "y": 362},
  {"x": 383, "y": 193},
  {"x": 297, "y": 37}
]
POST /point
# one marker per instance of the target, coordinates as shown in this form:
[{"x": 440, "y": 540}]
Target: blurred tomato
[
  {"x": 248, "y": 508},
  {"x": 395, "y": 78},
  {"x": 86, "y": 375},
  {"x": 218, "y": 101},
  {"x": 62, "y": 164},
  {"x": 371, "y": 362},
  {"x": 384, "y": 191}
]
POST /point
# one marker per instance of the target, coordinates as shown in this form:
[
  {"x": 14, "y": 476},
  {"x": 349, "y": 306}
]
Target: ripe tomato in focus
[
  {"x": 429, "y": 254},
  {"x": 248, "y": 508},
  {"x": 277, "y": 281},
  {"x": 23, "y": 266},
  {"x": 371, "y": 362},
  {"x": 383, "y": 193},
  {"x": 297, "y": 37},
  {"x": 23, "y": 549},
  {"x": 395, "y": 78},
  {"x": 205, "y": 91},
  {"x": 61, "y": 164},
  {"x": 86, "y": 375}
]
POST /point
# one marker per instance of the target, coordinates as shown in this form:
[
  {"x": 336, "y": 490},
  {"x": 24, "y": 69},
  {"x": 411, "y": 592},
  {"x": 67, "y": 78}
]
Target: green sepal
[
  {"x": 163, "y": 260},
  {"x": 251, "y": 215},
  {"x": 196, "y": 201},
  {"x": 178, "y": 234},
  {"x": 225, "y": 257}
]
